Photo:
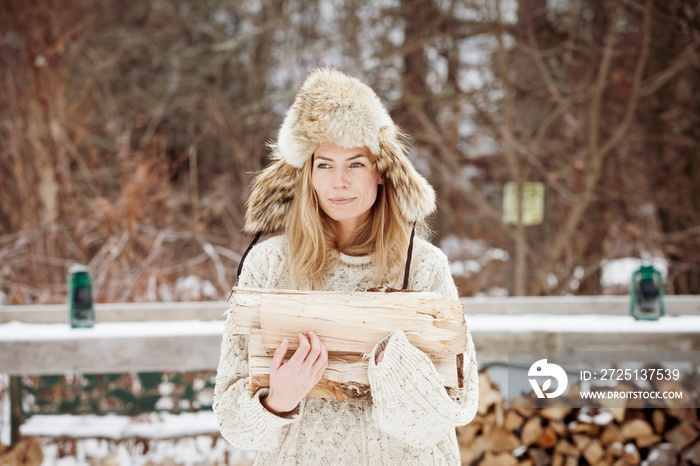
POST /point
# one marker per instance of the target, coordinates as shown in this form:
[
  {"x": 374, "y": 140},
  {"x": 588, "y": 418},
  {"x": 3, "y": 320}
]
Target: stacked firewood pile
[
  {"x": 517, "y": 434},
  {"x": 27, "y": 452}
]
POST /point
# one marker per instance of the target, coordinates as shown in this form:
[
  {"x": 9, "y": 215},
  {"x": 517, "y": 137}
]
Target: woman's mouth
[{"x": 342, "y": 200}]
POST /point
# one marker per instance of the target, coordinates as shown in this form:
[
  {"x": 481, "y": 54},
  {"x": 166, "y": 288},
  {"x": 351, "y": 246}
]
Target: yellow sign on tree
[{"x": 532, "y": 202}]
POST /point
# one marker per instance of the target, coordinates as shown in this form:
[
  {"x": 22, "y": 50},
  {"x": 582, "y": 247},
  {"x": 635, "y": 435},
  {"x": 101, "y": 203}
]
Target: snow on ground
[
  {"x": 619, "y": 271},
  {"x": 583, "y": 323},
  {"x": 192, "y": 451},
  {"x": 190, "y": 439},
  {"x": 187, "y": 438},
  {"x": 19, "y": 331},
  {"x": 160, "y": 425}
]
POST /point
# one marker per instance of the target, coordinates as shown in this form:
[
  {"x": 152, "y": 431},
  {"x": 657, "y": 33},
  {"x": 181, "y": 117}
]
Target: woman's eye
[
  {"x": 322, "y": 165},
  {"x": 357, "y": 164}
]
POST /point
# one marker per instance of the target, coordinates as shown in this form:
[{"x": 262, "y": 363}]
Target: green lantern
[
  {"x": 82, "y": 313},
  {"x": 646, "y": 293}
]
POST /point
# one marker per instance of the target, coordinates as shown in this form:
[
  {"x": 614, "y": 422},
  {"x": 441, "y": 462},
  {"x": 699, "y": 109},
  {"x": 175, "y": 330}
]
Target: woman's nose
[{"x": 340, "y": 179}]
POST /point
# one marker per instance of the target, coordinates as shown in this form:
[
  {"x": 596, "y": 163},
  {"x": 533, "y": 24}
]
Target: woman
[{"x": 348, "y": 200}]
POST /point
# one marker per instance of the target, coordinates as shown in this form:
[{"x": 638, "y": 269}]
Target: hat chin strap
[
  {"x": 252, "y": 243},
  {"x": 407, "y": 268},
  {"x": 409, "y": 255}
]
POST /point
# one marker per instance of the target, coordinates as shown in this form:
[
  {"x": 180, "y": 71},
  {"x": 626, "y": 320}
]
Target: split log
[
  {"x": 555, "y": 413},
  {"x": 466, "y": 434},
  {"x": 489, "y": 395},
  {"x": 593, "y": 452},
  {"x": 539, "y": 457},
  {"x": 499, "y": 440},
  {"x": 611, "y": 434},
  {"x": 532, "y": 431},
  {"x": 467, "y": 454},
  {"x": 513, "y": 421},
  {"x": 591, "y": 430},
  {"x": 647, "y": 441},
  {"x": 559, "y": 428},
  {"x": 566, "y": 448},
  {"x": 692, "y": 454},
  {"x": 350, "y": 324},
  {"x": 682, "y": 435},
  {"x": 548, "y": 438},
  {"x": 616, "y": 449},
  {"x": 631, "y": 456},
  {"x": 685, "y": 415},
  {"x": 501, "y": 459},
  {"x": 658, "y": 418},
  {"x": 618, "y": 413},
  {"x": 581, "y": 440},
  {"x": 636, "y": 428},
  {"x": 663, "y": 455}
]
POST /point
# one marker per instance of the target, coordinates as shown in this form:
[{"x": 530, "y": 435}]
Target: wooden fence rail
[
  {"x": 187, "y": 336},
  {"x": 676, "y": 305}
]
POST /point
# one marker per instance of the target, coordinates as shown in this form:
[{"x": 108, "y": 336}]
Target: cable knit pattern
[{"x": 411, "y": 420}]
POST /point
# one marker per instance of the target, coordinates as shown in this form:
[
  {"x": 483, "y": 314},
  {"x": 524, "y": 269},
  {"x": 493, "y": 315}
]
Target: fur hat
[{"x": 331, "y": 106}]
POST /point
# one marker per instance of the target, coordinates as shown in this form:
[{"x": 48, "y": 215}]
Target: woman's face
[{"x": 345, "y": 181}]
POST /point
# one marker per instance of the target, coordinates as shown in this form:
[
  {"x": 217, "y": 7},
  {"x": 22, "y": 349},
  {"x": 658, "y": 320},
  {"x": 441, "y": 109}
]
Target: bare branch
[
  {"x": 596, "y": 152},
  {"x": 689, "y": 57},
  {"x": 624, "y": 126},
  {"x": 220, "y": 270}
]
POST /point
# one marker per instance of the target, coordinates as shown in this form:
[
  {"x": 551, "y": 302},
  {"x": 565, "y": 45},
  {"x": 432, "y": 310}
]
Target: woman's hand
[{"x": 291, "y": 381}]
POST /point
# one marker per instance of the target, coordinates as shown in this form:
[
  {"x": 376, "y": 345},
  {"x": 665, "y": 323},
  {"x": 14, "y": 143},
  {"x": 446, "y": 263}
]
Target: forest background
[{"x": 130, "y": 130}]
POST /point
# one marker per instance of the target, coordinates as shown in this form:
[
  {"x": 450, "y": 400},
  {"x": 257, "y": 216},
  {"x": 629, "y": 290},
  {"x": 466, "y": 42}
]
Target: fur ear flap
[
  {"x": 415, "y": 196},
  {"x": 271, "y": 198}
]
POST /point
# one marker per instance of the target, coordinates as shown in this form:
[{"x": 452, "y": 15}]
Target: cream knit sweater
[{"x": 411, "y": 420}]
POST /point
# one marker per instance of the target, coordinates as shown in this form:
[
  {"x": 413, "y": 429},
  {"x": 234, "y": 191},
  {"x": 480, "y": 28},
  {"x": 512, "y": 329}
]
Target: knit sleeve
[
  {"x": 242, "y": 419},
  {"x": 409, "y": 399}
]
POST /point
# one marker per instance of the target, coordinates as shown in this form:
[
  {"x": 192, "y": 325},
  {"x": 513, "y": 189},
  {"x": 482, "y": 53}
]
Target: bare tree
[
  {"x": 559, "y": 102},
  {"x": 129, "y": 132},
  {"x": 126, "y": 131}
]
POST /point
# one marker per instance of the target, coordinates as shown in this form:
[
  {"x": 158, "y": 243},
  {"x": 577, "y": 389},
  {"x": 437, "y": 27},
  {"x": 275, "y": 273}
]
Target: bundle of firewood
[
  {"x": 350, "y": 324},
  {"x": 517, "y": 434}
]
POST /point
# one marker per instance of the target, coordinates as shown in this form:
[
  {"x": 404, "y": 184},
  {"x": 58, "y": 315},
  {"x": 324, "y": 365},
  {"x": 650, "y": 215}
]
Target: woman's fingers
[
  {"x": 316, "y": 347},
  {"x": 301, "y": 352},
  {"x": 321, "y": 363},
  {"x": 322, "y": 356},
  {"x": 310, "y": 358},
  {"x": 278, "y": 357}
]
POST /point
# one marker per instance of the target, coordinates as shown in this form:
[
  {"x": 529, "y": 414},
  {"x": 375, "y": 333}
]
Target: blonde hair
[{"x": 313, "y": 237}]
